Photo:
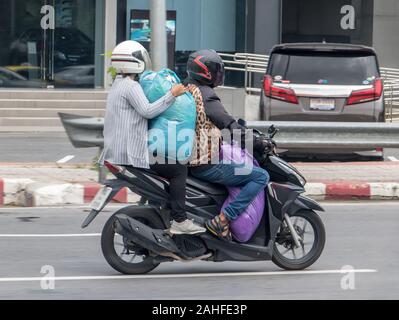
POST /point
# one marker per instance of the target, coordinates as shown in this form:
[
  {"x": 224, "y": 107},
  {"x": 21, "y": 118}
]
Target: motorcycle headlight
[
  {"x": 301, "y": 179},
  {"x": 292, "y": 171}
]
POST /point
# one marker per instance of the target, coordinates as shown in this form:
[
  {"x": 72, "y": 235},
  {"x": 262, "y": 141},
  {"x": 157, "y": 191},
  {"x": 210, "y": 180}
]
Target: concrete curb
[
  {"x": 28, "y": 193},
  {"x": 353, "y": 190}
]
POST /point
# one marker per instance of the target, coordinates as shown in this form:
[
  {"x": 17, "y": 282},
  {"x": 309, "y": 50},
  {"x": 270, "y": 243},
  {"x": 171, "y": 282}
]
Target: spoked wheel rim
[
  {"x": 129, "y": 252},
  {"x": 285, "y": 244}
]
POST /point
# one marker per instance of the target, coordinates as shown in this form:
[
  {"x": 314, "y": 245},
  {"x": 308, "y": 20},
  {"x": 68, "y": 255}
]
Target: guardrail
[
  {"x": 86, "y": 132},
  {"x": 252, "y": 64},
  {"x": 325, "y": 135}
]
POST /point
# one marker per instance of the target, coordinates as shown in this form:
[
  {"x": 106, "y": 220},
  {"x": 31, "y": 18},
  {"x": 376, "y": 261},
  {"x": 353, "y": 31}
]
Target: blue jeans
[{"x": 251, "y": 183}]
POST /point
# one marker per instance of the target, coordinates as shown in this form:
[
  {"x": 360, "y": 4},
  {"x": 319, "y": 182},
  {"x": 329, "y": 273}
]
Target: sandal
[{"x": 217, "y": 228}]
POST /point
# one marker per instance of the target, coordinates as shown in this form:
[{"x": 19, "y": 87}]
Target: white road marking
[
  {"x": 188, "y": 275},
  {"x": 394, "y": 159},
  {"x": 76, "y": 207},
  {"x": 65, "y": 159},
  {"x": 72, "y": 235}
]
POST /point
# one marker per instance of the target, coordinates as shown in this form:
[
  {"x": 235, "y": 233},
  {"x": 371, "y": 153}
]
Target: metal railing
[
  {"x": 248, "y": 63},
  {"x": 391, "y": 93},
  {"x": 252, "y": 64}
]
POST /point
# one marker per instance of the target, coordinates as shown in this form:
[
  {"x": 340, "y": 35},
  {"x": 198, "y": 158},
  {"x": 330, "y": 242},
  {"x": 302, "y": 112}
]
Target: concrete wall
[
  {"x": 233, "y": 100},
  {"x": 386, "y": 32},
  {"x": 239, "y": 104},
  {"x": 267, "y": 29},
  {"x": 267, "y": 25}
]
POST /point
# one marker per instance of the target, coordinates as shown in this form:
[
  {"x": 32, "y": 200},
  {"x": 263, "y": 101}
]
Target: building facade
[{"x": 65, "y": 43}]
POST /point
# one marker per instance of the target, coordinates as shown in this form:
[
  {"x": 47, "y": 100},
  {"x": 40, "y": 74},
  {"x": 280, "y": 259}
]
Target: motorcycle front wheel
[{"x": 310, "y": 229}]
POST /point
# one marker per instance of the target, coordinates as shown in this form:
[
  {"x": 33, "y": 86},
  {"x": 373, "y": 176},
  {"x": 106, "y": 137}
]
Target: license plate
[
  {"x": 100, "y": 198},
  {"x": 322, "y": 104}
]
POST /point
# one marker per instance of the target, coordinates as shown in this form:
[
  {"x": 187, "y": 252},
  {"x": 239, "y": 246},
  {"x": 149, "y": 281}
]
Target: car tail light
[
  {"x": 279, "y": 93},
  {"x": 366, "y": 95},
  {"x": 113, "y": 169},
  {"x": 379, "y": 149}
]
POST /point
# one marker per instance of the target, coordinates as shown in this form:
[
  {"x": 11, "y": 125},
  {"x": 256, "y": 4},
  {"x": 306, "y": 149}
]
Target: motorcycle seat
[
  {"x": 210, "y": 188},
  {"x": 207, "y": 187}
]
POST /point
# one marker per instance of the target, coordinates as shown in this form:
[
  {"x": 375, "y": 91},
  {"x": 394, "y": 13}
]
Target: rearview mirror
[{"x": 242, "y": 122}]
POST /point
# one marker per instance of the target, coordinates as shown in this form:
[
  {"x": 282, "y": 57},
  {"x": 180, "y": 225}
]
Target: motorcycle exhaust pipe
[{"x": 155, "y": 240}]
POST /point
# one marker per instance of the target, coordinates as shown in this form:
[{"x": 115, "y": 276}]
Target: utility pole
[
  {"x": 110, "y": 36},
  {"x": 159, "y": 51}
]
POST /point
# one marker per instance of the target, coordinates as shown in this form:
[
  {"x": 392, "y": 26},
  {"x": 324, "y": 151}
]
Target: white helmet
[{"x": 130, "y": 57}]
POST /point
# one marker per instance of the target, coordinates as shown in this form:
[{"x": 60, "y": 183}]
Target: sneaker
[{"x": 186, "y": 227}]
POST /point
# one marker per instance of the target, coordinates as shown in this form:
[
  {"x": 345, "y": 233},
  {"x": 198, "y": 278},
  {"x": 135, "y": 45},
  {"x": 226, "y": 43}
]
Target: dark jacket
[{"x": 217, "y": 113}]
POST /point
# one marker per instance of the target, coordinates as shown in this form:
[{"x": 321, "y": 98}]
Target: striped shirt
[{"x": 126, "y": 123}]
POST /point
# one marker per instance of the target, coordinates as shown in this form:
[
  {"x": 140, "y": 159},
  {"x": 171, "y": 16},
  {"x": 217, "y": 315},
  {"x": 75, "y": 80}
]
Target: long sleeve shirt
[{"x": 126, "y": 123}]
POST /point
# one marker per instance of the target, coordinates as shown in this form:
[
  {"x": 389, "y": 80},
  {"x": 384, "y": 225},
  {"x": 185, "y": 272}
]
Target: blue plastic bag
[{"x": 171, "y": 134}]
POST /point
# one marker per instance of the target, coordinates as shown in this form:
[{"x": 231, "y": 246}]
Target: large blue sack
[{"x": 171, "y": 134}]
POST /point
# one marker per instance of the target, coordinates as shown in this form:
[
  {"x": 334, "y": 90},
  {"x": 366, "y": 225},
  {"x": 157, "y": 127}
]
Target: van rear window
[{"x": 320, "y": 68}]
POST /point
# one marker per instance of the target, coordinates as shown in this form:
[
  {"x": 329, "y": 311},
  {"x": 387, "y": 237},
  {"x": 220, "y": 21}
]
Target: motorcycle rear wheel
[
  {"x": 108, "y": 243},
  {"x": 285, "y": 241}
]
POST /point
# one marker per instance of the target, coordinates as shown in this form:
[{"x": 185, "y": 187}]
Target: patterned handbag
[{"x": 208, "y": 136}]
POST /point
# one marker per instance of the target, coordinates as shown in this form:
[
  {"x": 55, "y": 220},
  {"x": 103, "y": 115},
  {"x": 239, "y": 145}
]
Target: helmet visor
[
  {"x": 219, "y": 75},
  {"x": 143, "y": 57},
  {"x": 147, "y": 60}
]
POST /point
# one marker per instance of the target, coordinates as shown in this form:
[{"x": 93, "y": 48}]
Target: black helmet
[{"x": 206, "y": 67}]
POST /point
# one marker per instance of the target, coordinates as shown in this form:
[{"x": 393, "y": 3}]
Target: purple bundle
[{"x": 245, "y": 226}]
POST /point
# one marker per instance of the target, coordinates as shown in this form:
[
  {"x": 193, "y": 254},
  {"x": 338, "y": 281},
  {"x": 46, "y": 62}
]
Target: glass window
[
  {"x": 194, "y": 25},
  {"x": 37, "y": 55},
  {"x": 342, "y": 21},
  {"x": 324, "y": 69}
]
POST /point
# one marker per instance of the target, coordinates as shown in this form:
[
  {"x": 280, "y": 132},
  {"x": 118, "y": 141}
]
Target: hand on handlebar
[{"x": 269, "y": 144}]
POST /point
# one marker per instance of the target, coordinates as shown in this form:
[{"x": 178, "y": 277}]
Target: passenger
[
  {"x": 206, "y": 71},
  {"x": 126, "y": 126}
]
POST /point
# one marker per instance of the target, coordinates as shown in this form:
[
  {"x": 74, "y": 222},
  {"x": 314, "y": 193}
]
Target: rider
[
  {"x": 206, "y": 72},
  {"x": 126, "y": 126}
]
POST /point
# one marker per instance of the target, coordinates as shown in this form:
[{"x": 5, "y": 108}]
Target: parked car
[
  {"x": 12, "y": 79},
  {"x": 323, "y": 82},
  {"x": 71, "y": 47},
  {"x": 76, "y": 77}
]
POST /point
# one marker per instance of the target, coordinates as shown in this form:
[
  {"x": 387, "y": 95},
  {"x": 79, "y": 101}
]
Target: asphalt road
[
  {"x": 52, "y": 147},
  {"x": 41, "y": 147},
  {"x": 359, "y": 234}
]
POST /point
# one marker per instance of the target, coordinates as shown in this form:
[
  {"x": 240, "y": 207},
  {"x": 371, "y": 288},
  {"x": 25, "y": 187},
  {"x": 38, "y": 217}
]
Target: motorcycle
[{"x": 135, "y": 240}]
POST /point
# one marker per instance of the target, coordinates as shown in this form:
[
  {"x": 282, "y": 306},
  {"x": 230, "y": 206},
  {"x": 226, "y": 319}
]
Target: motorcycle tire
[
  {"x": 144, "y": 215},
  {"x": 316, "y": 250}
]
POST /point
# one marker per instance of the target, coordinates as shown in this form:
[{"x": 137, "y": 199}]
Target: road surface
[
  {"x": 52, "y": 147},
  {"x": 362, "y": 235}
]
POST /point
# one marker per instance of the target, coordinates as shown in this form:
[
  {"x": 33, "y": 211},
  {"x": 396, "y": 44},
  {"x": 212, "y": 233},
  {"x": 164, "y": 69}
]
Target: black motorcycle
[{"x": 135, "y": 240}]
